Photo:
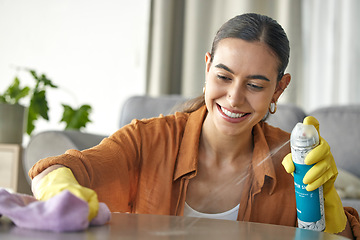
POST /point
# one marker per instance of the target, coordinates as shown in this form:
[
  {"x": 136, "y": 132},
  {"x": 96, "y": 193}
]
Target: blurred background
[{"x": 100, "y": 52}]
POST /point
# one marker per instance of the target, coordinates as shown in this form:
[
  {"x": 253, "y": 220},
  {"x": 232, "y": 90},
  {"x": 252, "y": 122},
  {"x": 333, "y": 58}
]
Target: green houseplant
[{"x": 14, "y": 117}]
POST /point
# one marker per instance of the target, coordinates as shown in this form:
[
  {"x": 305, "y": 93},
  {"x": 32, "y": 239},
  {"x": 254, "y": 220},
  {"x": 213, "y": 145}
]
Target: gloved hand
[
  {"x": 324, "y": 172},
  {"x": 62, "y": 179}
]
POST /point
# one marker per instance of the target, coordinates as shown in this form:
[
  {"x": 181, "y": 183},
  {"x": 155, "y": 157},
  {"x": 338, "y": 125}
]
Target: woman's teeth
[{"x": 231, "y": 114}]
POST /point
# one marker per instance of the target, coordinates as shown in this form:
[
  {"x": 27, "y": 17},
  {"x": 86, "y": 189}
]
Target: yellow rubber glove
[
  {"x": 62, "y": 179},
  {"x": 324, "y": 172}
]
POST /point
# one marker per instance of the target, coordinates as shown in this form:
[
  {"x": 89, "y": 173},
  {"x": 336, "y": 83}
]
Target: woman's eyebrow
[
  {"x": 258, "y": 77},
  {"x": 226, "y": 68}
]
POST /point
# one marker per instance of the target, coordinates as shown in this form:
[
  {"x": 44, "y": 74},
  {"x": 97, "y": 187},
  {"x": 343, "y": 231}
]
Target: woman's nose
[{"x": 236, "y": 96}]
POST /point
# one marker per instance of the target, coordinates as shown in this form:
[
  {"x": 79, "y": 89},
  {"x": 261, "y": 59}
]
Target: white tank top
[{"x": 228, "y": 215}]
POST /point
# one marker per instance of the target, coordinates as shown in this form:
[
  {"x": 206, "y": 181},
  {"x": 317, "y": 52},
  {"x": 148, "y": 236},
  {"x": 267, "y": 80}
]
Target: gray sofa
[{"x": 338, "y": 125}]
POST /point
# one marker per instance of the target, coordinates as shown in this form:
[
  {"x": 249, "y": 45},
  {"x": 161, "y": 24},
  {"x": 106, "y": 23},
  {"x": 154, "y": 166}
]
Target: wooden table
[{"x": 138, "y": 226}]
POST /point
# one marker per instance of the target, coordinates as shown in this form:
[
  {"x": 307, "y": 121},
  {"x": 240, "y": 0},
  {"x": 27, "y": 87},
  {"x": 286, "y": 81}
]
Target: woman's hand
[
  {"x": 59, "y": 178},
  {"x": 323, "y": 173}
]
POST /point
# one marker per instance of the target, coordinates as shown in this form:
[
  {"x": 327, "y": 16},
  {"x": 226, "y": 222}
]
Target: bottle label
[{"x": 307, "y": 203}]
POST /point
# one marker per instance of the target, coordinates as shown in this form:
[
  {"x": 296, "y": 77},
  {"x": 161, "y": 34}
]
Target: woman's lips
[{"x": 230, "y": 116}]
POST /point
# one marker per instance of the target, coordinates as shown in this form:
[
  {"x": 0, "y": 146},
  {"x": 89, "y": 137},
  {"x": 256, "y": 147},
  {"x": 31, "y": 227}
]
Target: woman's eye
[
  {"x": 255, "y": 87},
  {"x": 222, "y": 77}
]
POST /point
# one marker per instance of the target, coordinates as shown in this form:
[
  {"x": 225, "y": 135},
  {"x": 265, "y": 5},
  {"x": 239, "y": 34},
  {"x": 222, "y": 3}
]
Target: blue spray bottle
[{"x": 309, "y": 205}]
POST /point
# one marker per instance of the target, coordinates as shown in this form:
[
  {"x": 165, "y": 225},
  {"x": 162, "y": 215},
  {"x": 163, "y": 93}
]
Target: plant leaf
[
  {"x": 68, "y": 114},
  {"x": 41, "y": 81},
  {"x": 34, "y": 74},
  {"x": 14, "y": 93},
  {"x": 38, "y": 107},
  {"x": 2, "y": 99},
  {"x": 32, "y": 117},
  {"x": 46, "y": 81},
  {"x": 39, "y": 104},
  {"x": 76, "y": 118}
]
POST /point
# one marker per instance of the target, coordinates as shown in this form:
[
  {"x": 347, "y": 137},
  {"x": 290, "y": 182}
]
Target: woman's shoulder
[
  {"x": 165, "y": 125},
  {"x": 161, "y": 128},
  {"x": 273, "y": 132},
  {"x": 177, "y": 118},
  {"x": 275, "y": 137}
]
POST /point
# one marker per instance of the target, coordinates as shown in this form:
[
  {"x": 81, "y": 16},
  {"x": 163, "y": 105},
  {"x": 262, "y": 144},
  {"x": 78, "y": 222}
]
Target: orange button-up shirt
[{"x": 145, "y": 167}]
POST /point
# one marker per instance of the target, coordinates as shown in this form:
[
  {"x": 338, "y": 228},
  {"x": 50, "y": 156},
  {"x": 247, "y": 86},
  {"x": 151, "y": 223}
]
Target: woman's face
[{"x": 241, "y": 82}]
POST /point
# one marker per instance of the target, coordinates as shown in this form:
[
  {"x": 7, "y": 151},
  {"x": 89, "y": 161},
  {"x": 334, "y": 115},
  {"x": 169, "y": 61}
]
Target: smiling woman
[{"x": 244, "y": 74}]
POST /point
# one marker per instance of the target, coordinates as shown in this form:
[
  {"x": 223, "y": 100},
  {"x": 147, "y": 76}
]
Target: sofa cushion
[
  {"x": 52, "y": 143},
  {"x": 140, "y": 107},
  {"x": 339, "y": 126},
  {"x": 347, "y": 185}
]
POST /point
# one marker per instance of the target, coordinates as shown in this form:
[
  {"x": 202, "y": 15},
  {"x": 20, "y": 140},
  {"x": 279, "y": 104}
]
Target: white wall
[{"x": 94, "y": 50}]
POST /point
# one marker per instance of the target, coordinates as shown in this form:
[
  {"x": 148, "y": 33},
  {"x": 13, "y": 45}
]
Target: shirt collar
[
  {"x": 187, "y": 159},
  {"x": 262, "y": 163}
]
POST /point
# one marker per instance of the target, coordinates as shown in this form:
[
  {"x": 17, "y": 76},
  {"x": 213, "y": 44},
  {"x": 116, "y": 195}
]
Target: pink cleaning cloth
[{"x": 61, "y": 213}]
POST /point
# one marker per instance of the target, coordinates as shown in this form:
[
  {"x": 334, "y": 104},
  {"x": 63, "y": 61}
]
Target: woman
[{"x": 216, "y": 158}]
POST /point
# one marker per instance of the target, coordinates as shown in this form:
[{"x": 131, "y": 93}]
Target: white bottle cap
[{"x": 304, "y": 136}]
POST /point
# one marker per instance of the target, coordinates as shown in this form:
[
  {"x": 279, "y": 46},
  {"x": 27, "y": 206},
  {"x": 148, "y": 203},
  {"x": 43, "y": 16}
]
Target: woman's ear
[
  {"x": 281, "y": 86},
  {"x": 207, "y": 62}
]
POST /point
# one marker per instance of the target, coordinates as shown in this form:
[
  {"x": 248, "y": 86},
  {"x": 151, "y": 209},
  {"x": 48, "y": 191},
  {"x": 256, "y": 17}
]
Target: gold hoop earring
[{"x": 272, "y": 107}]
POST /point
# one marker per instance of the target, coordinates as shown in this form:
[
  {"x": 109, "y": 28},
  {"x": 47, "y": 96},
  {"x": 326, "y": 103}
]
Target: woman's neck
[{"x": 225, "y": 148}]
